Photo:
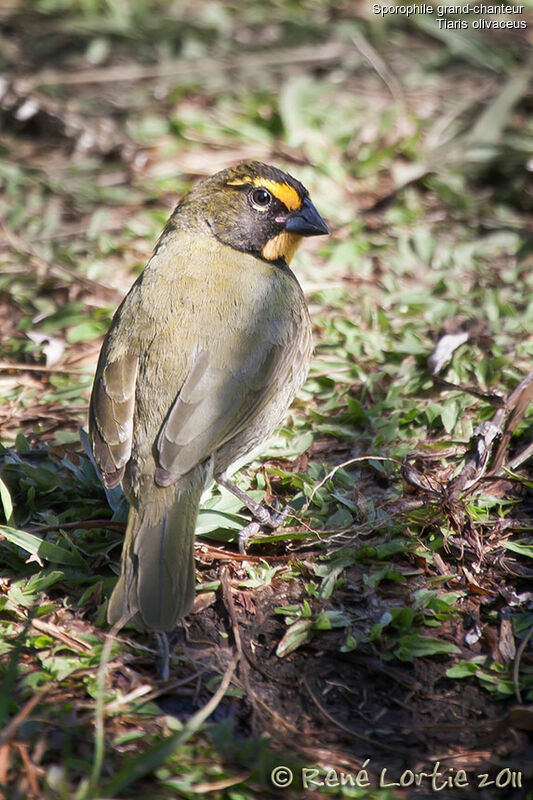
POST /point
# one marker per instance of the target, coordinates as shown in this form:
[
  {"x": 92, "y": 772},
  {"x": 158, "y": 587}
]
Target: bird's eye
[{"x": 261, "y": 198}]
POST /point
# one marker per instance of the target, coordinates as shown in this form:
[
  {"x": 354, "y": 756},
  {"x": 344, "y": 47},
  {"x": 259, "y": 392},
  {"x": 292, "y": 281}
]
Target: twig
[
  {"x": 76, "y": 232},
  {"x": 516, "y": 665},
  {"x": 99, "y": 713},
  {"x": 8, "y": 366},
  {"x": 227, "y": 555},
  {"x": 327, "y": 52},
  {"x": 340, "y": 466},
  {"x": 146, "y": 692},
  {"x": 223, "y": 783},
  {"x": 149, "y": 694},
  {"x": 5, "y": 750},
  {"x": 350, "y": 731},
  {"x": 12, "y": 727},
  {"x": 515, "y": 407},
  {"x": 503, "y": 423},
  {"x": 519, "y": 459},
  {"x": 85, "y": 525},
  {"x": 156, "y": 754},
  {"x": 197, "y": 719},
  {"x": 230, "y": 608},
  {"x": 433, "y": 139},
  {"x": 26, "y": 249},
  {"x": 379, "y": 65},
  {"x": 73, "y": 643},
  {"x": 29, "y": 769},
  {"x": 489, "y": 397},
  {"x": 255, "y": 701}
]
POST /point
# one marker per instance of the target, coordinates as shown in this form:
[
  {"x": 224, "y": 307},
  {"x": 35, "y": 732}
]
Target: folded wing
[
  {"x": 216, "y": 403},
  {"x": 111, "y": 417}
]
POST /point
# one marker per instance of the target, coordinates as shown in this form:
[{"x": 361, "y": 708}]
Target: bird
[{"x": 202, "y": 359}]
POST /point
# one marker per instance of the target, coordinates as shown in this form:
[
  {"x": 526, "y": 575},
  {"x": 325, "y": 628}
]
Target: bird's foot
[
  {"x": 272, "y": 519},
  {"x": 278, "y": 515},
  {"x": 269, "y": 518},
  {"x": 244, "y": 535},
  {"x": 263, "y": 517}
]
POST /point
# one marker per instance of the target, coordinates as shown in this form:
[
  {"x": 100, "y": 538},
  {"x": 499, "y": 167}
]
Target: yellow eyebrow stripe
[{"x": 283, "y": 191}]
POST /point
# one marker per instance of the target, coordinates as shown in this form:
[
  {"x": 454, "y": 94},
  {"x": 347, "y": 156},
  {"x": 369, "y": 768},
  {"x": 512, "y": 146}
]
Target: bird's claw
[
  {"x": 263, "y": 518},
  {"x": 262, "y": 515},
  {"x": 278, "y": 516},
  {"x": 249, "y": 530}
]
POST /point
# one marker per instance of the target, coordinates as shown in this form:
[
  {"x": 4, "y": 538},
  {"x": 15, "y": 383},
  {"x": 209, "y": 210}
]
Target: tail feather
[{"x": 156, "y": 584}]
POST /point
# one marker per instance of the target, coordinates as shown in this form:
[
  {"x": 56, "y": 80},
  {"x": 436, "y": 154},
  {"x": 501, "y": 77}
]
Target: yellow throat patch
[
  {"x": 284, "y": 245},
  {"x": 283, "y": 191}
]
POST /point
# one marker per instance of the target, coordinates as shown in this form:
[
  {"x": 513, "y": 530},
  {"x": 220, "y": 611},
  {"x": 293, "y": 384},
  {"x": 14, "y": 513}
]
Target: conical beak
[{"x": 307, "y": 221}]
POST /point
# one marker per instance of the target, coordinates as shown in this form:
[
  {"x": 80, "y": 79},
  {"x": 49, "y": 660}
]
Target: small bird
[{"x": 202, "y": 360}]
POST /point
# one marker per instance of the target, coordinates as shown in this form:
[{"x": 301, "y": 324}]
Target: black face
[
  {"x": 251, "y": 217},
  {"x": 253, "y": 206},
  {"x": 249, "y": 205}
]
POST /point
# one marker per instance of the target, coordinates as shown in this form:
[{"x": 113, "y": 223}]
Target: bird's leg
[
  {"x": 272, "y": 519},
  {"x": 163, "y": 661}
]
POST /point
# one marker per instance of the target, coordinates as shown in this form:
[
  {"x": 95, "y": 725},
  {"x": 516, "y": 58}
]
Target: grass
[{"x": 391, "y": 617}]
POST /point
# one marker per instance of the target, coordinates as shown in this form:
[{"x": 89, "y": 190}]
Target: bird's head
[{"x": 255, "y": 208}]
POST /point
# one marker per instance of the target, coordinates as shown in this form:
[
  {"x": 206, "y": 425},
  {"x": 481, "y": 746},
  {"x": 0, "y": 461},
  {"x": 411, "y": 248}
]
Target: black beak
[{"x": 307, "y": 221}]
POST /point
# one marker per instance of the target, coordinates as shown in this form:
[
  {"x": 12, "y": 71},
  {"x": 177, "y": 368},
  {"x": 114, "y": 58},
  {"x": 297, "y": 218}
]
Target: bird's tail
[{"x": 156, "y": 583}]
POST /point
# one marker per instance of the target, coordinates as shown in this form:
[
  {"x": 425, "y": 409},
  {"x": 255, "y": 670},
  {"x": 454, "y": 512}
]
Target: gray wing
[{"x": 214, "y": 404}]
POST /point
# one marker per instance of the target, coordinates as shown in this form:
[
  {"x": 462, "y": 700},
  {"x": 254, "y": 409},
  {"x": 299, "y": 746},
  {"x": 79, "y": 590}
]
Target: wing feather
[
  {"x": 212, "y": 406},
  {"x": 111, "y": 417}
]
